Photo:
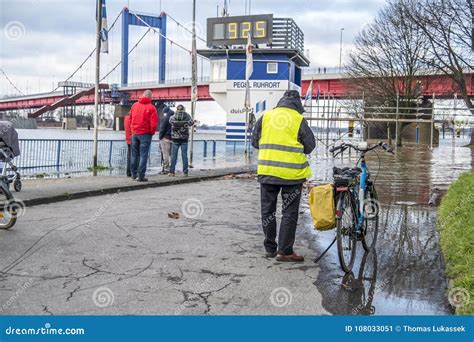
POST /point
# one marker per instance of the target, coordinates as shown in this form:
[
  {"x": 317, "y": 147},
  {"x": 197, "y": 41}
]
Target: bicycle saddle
[{"x": 346, "y": 171}]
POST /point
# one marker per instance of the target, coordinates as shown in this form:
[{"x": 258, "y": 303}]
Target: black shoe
[
  {"x": 134, "y": 177},
  {"x": 128, "y": 176},
  {"x": 270, "y": 255},
  {"x": 142, "y": 179}
]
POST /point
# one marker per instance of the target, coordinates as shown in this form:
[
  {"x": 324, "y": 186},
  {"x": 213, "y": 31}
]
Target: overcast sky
[{"x": 43, "y": 41}]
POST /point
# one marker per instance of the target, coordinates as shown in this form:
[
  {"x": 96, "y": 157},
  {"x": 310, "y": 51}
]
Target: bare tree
[
  {"x": 388, "y": 58},
  {"x": 447, "y": 27}
]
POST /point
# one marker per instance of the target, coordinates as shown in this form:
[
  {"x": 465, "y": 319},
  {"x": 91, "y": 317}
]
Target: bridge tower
[
  {"x": 278, "y": 45},
  {"x": 146, "y": 20}
]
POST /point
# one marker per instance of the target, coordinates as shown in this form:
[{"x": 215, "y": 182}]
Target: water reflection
[
  {"x": 361, "y": 289},
  {"x": 406, "y": 274}
]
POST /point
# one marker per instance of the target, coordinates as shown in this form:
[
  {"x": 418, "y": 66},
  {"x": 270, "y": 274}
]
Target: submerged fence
[{"x": 59, "y": 155}]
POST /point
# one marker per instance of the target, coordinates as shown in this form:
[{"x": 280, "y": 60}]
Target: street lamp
[
  {"x": 340, "y": 51},
  {"x": 194, "y": 88}
]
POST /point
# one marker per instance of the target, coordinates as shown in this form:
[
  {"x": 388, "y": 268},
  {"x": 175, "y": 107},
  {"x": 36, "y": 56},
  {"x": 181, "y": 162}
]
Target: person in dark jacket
[
  {"x": 180, "y": 122},
  {"x": 283, "y": 138},
  {"x": 165, "y": 139},
  {"x": 143, "y": 123}
]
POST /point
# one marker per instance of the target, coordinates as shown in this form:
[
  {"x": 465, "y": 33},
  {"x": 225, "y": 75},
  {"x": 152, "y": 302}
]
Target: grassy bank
[{"x": 456, "y": 228}]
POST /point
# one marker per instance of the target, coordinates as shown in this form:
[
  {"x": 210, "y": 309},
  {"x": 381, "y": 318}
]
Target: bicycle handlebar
[
  {"x": 387, "y": 148},
  {"x": 345, "y": 146}
]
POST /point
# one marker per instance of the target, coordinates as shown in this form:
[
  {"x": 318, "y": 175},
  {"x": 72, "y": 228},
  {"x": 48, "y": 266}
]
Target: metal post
[
  {"x": 110, "y": 152},
  {"x": 213, "y": 148},
  {"x": 97, "y": 80},
  {"x": 340, "y": 52},
  {"x": 246, "y": 128},
  {"x": 362, "y": 122},
  {"x": 432, "y": 121},
  {"x": 162, "y": 47},
  {"x": 334, "y": 111},
  {"x": 205, "y": 148},
  {"x": 194, "y": 93},
  {"x": 324, "y": 109},
  {"x": 124, "y": 52},
  {"x": 327, "y": 121},
  {"x": 58, "y": 155},
  {"x": 317, "y": 113},
  {"x": 311, "y": 108},
  {"x": 454, "y": 115},
  {"x": 397, "y": 128}
]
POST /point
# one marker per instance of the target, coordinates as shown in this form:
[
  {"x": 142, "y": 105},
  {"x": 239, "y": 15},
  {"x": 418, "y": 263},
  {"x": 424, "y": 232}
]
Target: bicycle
[
  {"x": 356, "y": 204},
  {"x": 9, "y": 207}
]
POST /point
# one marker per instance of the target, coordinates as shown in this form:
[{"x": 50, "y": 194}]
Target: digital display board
[{"x": 235, "y": 30}]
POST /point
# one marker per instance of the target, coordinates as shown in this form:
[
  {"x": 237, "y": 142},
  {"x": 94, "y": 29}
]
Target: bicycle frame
[
  {"x": 358, "y": 194},
  {"x": 362, "y": 188}
]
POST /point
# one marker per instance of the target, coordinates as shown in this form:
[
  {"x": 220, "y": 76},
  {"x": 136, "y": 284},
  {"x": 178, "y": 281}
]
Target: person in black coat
[
  {"x": 273, "y": 181},
  {"x": 180, "y": 122}
]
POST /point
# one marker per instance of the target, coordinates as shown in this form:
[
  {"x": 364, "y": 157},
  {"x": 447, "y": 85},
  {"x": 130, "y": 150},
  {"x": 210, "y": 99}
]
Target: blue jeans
[
  {"x": 140, "y": 148},
  {"x": 184, "y": 156}
]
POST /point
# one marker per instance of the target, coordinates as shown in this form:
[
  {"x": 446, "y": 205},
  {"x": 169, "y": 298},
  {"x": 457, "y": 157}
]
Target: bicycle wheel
[
  {"x": 8, "y": 207},
  {"x": 371, "y": 219},
  {"x": 346, "y": 237}
]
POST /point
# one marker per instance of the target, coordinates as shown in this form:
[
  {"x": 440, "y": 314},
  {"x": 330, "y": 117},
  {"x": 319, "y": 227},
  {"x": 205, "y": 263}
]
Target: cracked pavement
[{"x": 59, "y": 257}]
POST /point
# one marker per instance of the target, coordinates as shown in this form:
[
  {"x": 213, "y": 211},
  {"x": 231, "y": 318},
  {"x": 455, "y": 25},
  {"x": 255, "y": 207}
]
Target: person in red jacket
[
  {"x": 128, "y": 140},
  {"x": 143, "y": 123}
]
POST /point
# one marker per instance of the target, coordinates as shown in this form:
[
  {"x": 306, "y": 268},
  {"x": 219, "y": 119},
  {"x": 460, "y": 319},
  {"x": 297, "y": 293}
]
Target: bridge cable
[
  {"x": 11, "y": 83},
  {"x": 185, "y": 28},
  {"x": 129, "y": 52},
  {"x": 162, "y": 35},
  {"x": 90, "y": 54}
]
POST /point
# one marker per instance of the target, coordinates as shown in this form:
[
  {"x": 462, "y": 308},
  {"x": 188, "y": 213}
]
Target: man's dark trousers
[
  {"x": 291, "y": 196},
  {"x": 140, "y": 148},
  {"x": 129, "y": 157}
]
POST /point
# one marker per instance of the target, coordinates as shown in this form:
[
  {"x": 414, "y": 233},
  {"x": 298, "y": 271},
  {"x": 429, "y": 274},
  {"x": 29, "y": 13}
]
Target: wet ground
[
  {"x": 121, "y": 254},
  {"x": 405, "y": 275}
]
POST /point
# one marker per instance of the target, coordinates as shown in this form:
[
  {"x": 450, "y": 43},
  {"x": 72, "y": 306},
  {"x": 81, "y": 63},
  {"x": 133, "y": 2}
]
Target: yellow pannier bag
[{"x": 322, "y": 207}]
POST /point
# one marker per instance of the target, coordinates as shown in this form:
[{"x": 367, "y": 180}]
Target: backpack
[{"x": 322, "y": 207}]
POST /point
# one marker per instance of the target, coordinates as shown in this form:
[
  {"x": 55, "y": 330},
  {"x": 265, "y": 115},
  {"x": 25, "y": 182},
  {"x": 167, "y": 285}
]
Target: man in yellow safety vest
[{"x": 283, "y": 139}]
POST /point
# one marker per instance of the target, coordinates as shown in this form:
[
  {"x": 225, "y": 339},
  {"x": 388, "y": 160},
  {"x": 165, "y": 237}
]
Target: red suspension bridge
[
  {"x": 335, "y": 84},
  {"x": 168, "y": 55}
]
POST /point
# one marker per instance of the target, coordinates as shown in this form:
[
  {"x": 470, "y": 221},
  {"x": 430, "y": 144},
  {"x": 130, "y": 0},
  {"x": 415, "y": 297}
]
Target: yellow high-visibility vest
[{"x": 280, "y": 153}]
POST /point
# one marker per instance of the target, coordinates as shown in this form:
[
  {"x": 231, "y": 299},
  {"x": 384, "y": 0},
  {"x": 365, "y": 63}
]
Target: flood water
[{"x": 405, "y": 275}]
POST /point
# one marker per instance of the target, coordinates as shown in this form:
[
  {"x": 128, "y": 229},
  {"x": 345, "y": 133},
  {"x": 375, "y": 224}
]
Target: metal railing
[
  {"x": 176, "y": 81},
  {"x": 65, "y": 155},
  {"x": 314, "y": 71}
]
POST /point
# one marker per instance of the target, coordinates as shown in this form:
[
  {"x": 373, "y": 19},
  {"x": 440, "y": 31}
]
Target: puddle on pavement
[{"x": 406, "y": 274}]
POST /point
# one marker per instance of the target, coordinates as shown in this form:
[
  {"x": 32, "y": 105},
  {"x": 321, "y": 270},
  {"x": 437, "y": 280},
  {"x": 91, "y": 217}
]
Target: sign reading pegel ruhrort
[
  {"x": 228, "y": 31},
  {"x": 257, "y": 84}
]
